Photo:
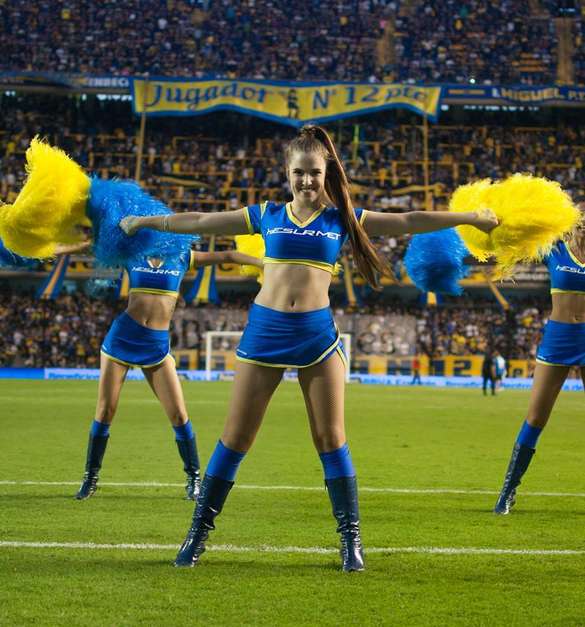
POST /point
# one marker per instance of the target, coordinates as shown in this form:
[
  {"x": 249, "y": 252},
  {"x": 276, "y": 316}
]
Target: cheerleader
[
  {"x": 139, "y": 338},
  {"x": 56, "y": 205},
  {"x": 561, "y": 348},
  {"x": 290, "y": 323}
]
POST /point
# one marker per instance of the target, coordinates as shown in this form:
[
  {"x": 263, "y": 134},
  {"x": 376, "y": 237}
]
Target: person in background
[
  {"x": 416, "y": 371},
  {"x": 499, "y": 369},
  {"x": 488, "y": 373}
]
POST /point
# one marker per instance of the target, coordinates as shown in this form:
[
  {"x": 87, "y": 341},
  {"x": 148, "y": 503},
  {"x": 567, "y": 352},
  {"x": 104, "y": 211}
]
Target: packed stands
[
  {"x": 484, "y": 42},
  {"x": 255, "y": 39},
  {"x": 509, "y": 42},
  {"x": 67, "y": 331},
  {"x": 188, "y": 166}
]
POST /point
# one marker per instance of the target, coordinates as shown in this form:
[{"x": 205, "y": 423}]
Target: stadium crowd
[
  {"x": 476, "y": 41},
  {"x": 53, "y": 333},
  {"x": 509, "y": 42},
  {"x": 471, "y": 327},
  {"x": 67, "y": 331},
  {"x": 579, "y": 58},
  {"x": 187, "y": 166}
]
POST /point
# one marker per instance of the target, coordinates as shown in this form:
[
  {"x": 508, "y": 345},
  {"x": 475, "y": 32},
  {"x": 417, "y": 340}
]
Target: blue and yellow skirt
[
  {"x": 283, "y": 339},
  {"x": 131, "y": 344},
  {"x": 563, "y": 344}
]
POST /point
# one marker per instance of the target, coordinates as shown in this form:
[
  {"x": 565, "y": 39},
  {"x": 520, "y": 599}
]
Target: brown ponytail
[{"x": 316, "y": 139}]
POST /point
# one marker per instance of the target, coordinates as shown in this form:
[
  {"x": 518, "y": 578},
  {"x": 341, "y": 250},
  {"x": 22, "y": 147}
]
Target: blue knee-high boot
[
  {"x": 212, "y": 496},
  {"x": 96, "y": 448},
  {"x": 217, "y": 483},
  {"x": 188, "y": 452},
  {"x": 519, "y": 462},
  {"x": 522, "y": 454},
  {"x": 344, "y": 501}
]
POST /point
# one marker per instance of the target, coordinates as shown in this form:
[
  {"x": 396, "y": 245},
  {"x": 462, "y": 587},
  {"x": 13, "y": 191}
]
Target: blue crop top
[
  {"x": 159, "y": 276},
  {"x": 316, "y": 242},
  {"x": 567, "y": 273}
]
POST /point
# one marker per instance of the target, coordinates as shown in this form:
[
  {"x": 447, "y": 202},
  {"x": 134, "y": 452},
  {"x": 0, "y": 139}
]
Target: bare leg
[
  {"x": 548, "y": 382},
  {"x": 253, "y": 388},
  {"x": 112, "y": 376},
  {"x": 165, "y": 384},
  {"x": 323, "y": 387}
]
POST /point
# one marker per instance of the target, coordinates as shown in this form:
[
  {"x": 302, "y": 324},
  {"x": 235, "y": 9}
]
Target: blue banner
[
  {"x": 52, "y": 285},
  {"x": 571, "y": 385},
  {"x": 204, "y": 288},
  {"x": 80, "y": 82},
  {"x": 518, "y": 95}
]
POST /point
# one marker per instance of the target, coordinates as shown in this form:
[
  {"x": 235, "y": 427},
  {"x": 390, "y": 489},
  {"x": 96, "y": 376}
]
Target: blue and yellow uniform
[
  {"x": 131, "y": 343},
  {"x": 294, "y": 339},
  {"x": 563, "y": 344}
]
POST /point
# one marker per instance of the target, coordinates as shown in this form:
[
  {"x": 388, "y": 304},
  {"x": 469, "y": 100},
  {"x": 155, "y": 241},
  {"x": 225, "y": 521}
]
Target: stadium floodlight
[{"x": 217, "y": 342}]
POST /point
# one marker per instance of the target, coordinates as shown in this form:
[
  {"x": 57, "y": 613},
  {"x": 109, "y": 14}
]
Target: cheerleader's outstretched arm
[
  {"x": 377, "y": 223},
  {"x": 214, "y": 223}
]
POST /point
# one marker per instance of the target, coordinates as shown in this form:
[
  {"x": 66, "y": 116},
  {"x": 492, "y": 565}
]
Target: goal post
[{"x": 221, "y": 345}]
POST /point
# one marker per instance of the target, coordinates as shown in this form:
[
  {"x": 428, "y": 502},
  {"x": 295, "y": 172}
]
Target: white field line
[
  {"x": 230, "y": 548},
  {"x": 293, "y": 488}
]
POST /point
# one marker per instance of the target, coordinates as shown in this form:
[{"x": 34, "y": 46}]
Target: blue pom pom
[
  {"x": 434, "y": 261},
  {"x": 109, "y": 202}
]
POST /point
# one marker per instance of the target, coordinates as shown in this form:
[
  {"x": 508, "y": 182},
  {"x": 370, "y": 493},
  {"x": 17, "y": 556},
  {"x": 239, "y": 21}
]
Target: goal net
[{"x": 220, "y": 351}]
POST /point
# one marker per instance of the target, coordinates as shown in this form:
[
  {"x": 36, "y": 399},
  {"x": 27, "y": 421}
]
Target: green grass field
[{"x": 405, "y": 444}]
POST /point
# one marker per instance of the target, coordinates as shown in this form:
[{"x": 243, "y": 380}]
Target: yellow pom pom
[
  {"x": 533, "y": 214},
  {"x": 472, "y": 198},
  {"x": 50, "y": 206},
  {"x": 252, "y": 245}
]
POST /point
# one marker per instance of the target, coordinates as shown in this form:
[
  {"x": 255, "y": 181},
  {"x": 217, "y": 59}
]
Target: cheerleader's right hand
[
  {"x": 67, "y": 249},
  {"x": 129, "y": 225}
]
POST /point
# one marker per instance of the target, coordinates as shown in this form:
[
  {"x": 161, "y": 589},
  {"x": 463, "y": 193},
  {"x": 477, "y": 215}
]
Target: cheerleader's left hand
[{"x": 485, "y": 221}]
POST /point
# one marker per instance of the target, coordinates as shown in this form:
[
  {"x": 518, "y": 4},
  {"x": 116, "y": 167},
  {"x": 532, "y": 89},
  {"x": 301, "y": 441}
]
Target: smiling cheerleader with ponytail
[{"x": 291, "y": 325}]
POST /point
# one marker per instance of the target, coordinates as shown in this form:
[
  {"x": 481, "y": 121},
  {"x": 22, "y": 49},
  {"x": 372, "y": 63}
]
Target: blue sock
[
  {"x": 183, "y": 432},
  {"x": 100, "y": 429},
  {"x": 337, "y": 463},
  {"x": 528, "y": 435},
  {"x": 224, "y": 462}
]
